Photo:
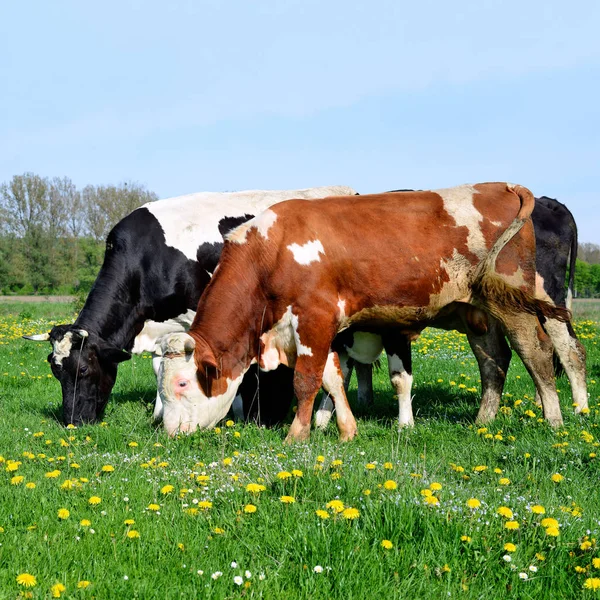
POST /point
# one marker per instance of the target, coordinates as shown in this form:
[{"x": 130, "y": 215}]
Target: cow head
[
  {"x": 193, "y": 397},
  {"x": 86, "y": 367}
]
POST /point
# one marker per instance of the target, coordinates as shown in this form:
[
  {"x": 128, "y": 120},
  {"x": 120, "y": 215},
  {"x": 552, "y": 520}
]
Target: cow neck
[{"x": 115, "y": 318}]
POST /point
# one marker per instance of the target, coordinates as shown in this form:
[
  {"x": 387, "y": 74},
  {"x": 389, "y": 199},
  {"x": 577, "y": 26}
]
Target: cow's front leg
[
  {"x": 325, "y": 409},
  {"x": 333, "y": 382}
]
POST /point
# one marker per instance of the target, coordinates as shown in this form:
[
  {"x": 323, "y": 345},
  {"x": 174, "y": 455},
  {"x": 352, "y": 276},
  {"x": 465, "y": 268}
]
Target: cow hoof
[
  {"x": 298, "y": 433},
  {"x": 555, "y": 422},
  {"x": 348, "y": 436},
  {"x": 407, "y": 425}
]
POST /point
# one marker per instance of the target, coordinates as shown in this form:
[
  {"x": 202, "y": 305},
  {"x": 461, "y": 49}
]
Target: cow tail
[{"x": 499, "y": 296}]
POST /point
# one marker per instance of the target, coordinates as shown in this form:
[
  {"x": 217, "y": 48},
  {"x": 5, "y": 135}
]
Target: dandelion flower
[
  {"x": 255, "y": 488},
  {"x": 166, "y": 489},
  {"x": 435, "y": 486},
  {"x": 336, "y": 463},
  {"x": 94, "y": 500},
  {"x": 426, "y": 492},
  {"x": 505, "y": 512},
  {"x": 297, "y": 473},
  {"x": 390, "y": 484},
  {"x": 26, "y": 580},
  {"x": 473, "y": 503},
  {"x": 596, "y": 563},
  {"x": 133, "y": 534},
  {"x": 511, "y": 525},
  {"x": 218, "y": 531},
  {"x": 30, "y": 485},
  {"x": 322, "y": 514},
  {"x": 284, "y": 475},
  {"x": 320, "y": 459},
  {"x": 550, "y": 522},
  {"x": 57, "y": 589},
  {"x": 83, "y": 584},
  {"x": 17, "y": 479},
  {"x": 53, "y": 474},
  {"x": 387, "y": 544},
  {"x": 229, "y": 423},
  {"x": 504, "y": 481},
  {"x": 350, "y": 513},
  {"x": 153, "y": 507},
  {"x": 108, "y": 469},
  {"x": 388, "y": 465},
  {"x": 552, "y": 531},
  {"x": 204, "y": 504},
  {"x": 509, "y": 547},
  {"x": 586, "y": 545},
  {"x": 557, "y": 477},
  {"x": 287, "y": 499},
  {"x": 85, "y": 523},
  {"x": 370, "y": 466},
  {"x": 63, "y": 513},
  {"x": 538, "y": 509},
  {"x": 432, "y": 500},
  {"x": 465, "y": 538},
  {"x": 249, "y": 509},
  {"x": 592, "y": 583},
  {"x": 336, "y": 506}
]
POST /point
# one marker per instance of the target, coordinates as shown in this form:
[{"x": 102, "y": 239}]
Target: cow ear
[
  {"x": 227, "y": 224},
  {"x": 113, "y": 355}
]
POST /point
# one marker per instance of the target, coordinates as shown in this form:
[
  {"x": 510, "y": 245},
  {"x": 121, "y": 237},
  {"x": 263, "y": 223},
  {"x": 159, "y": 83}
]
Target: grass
[{"x": 440, "y": 547}]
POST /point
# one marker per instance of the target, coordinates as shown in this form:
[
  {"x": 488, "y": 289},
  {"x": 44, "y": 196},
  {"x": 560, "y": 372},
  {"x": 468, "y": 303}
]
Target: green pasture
[{"x": 119, "y": 510}]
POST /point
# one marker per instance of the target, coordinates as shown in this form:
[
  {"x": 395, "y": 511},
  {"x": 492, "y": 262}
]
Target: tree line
[{"x": 52, "y": 235}]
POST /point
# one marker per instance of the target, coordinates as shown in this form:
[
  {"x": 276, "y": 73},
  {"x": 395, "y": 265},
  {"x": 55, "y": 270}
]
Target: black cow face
[{"x": 86, "y": 367}]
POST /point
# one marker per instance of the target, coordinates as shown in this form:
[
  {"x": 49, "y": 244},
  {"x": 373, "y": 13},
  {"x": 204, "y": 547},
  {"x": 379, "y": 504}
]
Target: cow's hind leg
[
  {"x": 364, "y": 378},
  {"x": 398, "y": 349},
  {"x": 572, "y": 356},
  {"x": 534, "y": 347},
  {"x": 493, "y": 357},
  {"x": 325, "y": 410},
  {"x": 333, "y": 382}
]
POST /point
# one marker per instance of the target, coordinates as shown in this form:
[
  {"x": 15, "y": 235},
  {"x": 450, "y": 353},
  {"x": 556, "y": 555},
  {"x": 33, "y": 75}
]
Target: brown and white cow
[{"x": 293, "y": 277}]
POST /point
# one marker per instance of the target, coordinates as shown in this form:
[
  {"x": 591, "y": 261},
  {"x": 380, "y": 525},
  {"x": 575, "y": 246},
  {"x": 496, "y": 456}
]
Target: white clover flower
[
  {"x": 234, "y": 565},
  {"x": 216, "y": 575},
  {"x": 126, "y": 499},
  {"x": 247, "y": 574},
  {"x": 238, "y": 580},
  {"x": 533, "y": 568},
  {"x": 200, "y": 572},
  {"x": 523, "y": 576},
  {"x": 318, "y": 569},
  {"x": 507, "y": 557}
]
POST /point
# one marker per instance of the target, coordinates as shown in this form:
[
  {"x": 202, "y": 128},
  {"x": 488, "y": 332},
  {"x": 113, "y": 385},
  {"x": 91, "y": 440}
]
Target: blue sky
[{"x": 231, "y": 95}]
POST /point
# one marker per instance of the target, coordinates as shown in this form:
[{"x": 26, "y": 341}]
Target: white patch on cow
[
  {"x": 570, "y": 299},
  {"x": 306, "y": 253},
  {"x": 62, "y": 348},
  {"x": 342, "y": 308},
  {"x": 540, "y": 292},
  {"x": 402, "y": 382},
  {"x": 148, "y": 340},
  {"x": 458, "y": 203},
  {"x": 262, "y": 223},
  {"x": 188, "y": 221},
  {"x": 366, "y": 347},
  {"x": 496, "y": 223},
  {"x": 208, "y": 273},
  {"x": 301, "y": 349}
]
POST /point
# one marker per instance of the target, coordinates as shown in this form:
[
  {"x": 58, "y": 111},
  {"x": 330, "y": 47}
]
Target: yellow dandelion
[
  {"x": 83, "y": 584},
  {"x": 255, "y": 488},
  {"x": 557, "y": 477},
  {"x": 511, "y": 525},
  {"x": 505, "y": 512},
  {"x": 30, "y": 485},
  {"x": 473, "y": 503},
  {"x": 229, "y": 423},
  {"x": 388, "y": 465},
  {"x": 504, "y": 481},
  {"x": 336, "y": 506},
  {"x": 390, "y": 484},
  {"x": 510, "y": 547},
  {"x": 350, "y": 513},
  {"x": 205, "y": 504},
  {"x": 53, "y": 474},
  {"x": 218, "y": 531},
  {"x": 153, "y": 507},
  {"x": 26, "y": 580},
  {"x": 552, "y": 531},
  {"x": 249, "y": 509},
  {"x": 336, "y": 463},
  {"x": 320, "y": 459},
  {"x": 426, "y": 492},
  {"x": 284, "y": 475},
  {"x": 57, "y": 589},
  {"x": 63, "y": 513},
  {"x": 550, "y": 522},
  {"x": 538, "y": 509},
  {"x": 287, "y": 499},
  {"x": 322, "y": 514},
  {"x": 94, "y": 500},
  {"x": 593, "y": 583},
  {"x": 435, "y": 486},
  {"x": 133, "y": 534},
  {"x": 108, "y": 469},
  {"x": 596, "y": 563},
  {"x": 166, "y": 489},
  {"x": 85, "y": 523},
  {"x": 370, "y": 466},
  {"x": 465, "y": 538},
  {"x": 297, "y": 473},
  {"x": 17, "y": 480},
  {"x": 431, "y": 500},
  {"x": 387, "y": 544}
]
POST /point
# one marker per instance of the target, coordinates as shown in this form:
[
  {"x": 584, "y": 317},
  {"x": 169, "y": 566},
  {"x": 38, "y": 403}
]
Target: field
[{"x": 118, "y": 510}]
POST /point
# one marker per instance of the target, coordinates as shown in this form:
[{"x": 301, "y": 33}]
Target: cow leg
[
  {"x": 534, "y": 347},
  {"x": 572, "y": 356},
  {"x": 158, "y": 405},
  {"x": 493, "y": 357},
  {"x": 364, "y": 376},
  {"x": 397, "y": 348},
  {"x": 333, "y": 382},
  {"x": 326, "y": 407}
]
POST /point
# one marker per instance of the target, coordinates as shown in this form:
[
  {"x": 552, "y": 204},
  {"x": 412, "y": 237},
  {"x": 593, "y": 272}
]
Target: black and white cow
[
  {"x": 556, "y": 253},
  {"x": 158, "y": 261}
]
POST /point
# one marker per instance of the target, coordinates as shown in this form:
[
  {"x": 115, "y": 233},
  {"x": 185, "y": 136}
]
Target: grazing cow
[
  {"x": 158, "y": 261},
  {"x": 290, "y": 279},
  {"x": 556, "y": 251}
]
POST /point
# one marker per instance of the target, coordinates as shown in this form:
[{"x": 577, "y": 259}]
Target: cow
[
  {"x": 556, "y": 253},
  {"x": 157, "y": 262},
  {"x": 293, "y": 277}
]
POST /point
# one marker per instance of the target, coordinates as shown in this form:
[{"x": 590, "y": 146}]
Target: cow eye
[
  {"x": 83, "y": 370},
  {"x": 182, "y": 383}
]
